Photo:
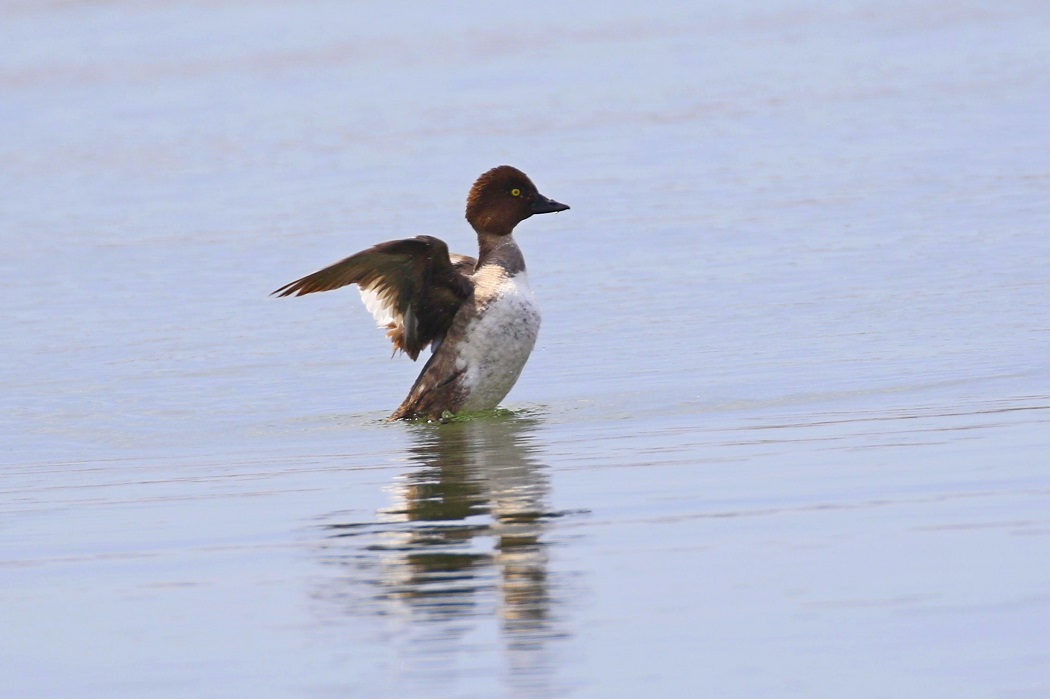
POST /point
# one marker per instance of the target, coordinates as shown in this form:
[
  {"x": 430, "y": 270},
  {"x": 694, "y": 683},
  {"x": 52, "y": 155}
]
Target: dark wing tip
[{"x": 294, "y": 288}]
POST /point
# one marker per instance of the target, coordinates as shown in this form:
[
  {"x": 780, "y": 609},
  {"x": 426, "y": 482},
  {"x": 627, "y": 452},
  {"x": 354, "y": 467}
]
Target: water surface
[{"x": 784, "y": 433}]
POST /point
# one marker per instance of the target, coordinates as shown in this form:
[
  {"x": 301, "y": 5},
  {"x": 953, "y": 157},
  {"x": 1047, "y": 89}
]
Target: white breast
[{"x": 498, "y": 341}]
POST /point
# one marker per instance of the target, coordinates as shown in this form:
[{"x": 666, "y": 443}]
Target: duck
[{"x": 478, "y": 316}]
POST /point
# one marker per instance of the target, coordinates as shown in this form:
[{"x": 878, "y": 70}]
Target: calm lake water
[{"x": 786, "y": 432}]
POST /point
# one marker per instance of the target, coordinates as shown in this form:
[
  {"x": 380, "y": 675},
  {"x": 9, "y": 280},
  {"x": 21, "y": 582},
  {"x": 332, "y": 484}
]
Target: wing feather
[{"x": 412, "y": 287}]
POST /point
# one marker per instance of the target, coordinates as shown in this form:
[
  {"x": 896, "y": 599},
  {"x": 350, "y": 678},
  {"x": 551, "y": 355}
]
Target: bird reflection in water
[{"x": 465, "y": 537}]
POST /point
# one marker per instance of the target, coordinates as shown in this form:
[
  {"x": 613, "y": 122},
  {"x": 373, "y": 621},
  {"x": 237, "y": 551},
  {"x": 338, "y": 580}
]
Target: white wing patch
[
  {"x": 397, "y": 326},
  {"x": 381, "y": 308}
]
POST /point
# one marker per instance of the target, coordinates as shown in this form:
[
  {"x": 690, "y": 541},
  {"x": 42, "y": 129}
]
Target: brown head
[{"x": 502, "y": 198}]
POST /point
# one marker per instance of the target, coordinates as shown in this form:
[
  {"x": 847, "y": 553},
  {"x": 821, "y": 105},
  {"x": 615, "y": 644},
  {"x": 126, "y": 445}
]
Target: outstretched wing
[{"x": 412, "y": 287}]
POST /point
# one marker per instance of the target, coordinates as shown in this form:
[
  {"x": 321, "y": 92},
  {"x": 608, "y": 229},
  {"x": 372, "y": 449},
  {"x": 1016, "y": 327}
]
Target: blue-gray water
[{"x": 786, "y": 432}]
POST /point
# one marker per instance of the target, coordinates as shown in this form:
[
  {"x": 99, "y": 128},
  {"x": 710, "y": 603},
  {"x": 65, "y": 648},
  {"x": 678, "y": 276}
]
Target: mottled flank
[{"x": 485, "y": 351}]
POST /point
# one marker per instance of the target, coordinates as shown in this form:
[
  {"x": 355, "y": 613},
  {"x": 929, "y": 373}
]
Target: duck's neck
[{"x": 500, "y": 250}]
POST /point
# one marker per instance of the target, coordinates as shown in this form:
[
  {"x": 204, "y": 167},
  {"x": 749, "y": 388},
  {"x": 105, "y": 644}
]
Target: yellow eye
[{"x": 515, "y": 192}]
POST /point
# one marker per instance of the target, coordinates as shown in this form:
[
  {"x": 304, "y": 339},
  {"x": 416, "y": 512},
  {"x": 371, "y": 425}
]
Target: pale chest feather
[{"x": 498, "y": 340}]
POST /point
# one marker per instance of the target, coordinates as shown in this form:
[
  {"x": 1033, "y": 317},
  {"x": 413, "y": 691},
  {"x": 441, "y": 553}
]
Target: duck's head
[{"x": 502, "y": 198}]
